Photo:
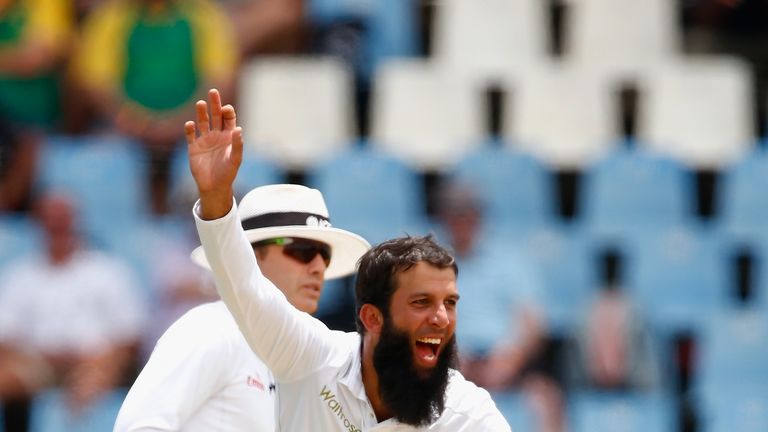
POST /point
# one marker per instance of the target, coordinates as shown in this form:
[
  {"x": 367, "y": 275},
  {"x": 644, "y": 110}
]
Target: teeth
[{"x": 433, "y": 341}]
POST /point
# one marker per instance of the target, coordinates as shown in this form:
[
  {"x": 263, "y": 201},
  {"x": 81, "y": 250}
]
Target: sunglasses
[{"x": 299, "y": 249}]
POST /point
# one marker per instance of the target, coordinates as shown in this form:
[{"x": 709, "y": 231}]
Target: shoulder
[
  {"x": 468, "y": 404},
  {"x": 203, "y": 327}
]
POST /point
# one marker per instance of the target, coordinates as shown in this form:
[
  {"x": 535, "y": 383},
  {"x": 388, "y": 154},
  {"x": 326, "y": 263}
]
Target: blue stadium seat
[
  {"x": 254, "y": 171},
  {"x": 566, "y": 257},
  {"x": 389, "y": 28},
  {"x": 631, "y": 191},
  {"x": 743, "y": 409},
  {"x": 678, "y": 277},
  {"x": 106, "y": 175},
  {"x": 516, "y": 410},
  {"x": 18, "y": 236},
  {"x": 515, "y": 187},
  {"x": 609, "y": 412},
  {"x": 371, "y": 194},
  {"x": 743, "y": 206},
  {"x": 733, "y": 355},
  {"x": 50, "y": 413}
]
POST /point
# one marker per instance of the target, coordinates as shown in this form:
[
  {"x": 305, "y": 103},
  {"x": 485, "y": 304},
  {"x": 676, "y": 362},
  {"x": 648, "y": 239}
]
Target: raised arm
[
  {"x": 214, "y": 155},
  {"x": 290, "y": 342}
]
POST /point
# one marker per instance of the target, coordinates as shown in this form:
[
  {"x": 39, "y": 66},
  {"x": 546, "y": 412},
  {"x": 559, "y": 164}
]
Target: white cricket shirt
[
  {"x": 201, "y": 376},
  {"x": 318, "y": 370}
]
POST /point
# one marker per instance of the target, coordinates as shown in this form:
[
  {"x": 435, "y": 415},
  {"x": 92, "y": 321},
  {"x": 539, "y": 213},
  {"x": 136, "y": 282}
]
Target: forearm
[{"x": 290, "y": 342}]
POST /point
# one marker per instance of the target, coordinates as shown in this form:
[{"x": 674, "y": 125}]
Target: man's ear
[{"x": 372, "y": 318}]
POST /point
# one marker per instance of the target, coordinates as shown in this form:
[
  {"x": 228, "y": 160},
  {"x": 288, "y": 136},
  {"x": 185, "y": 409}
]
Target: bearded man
[{"x": 393, "y": 374}]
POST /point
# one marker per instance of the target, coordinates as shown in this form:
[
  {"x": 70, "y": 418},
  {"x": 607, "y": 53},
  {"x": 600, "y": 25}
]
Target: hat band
[{"x": 285, "y": 219}]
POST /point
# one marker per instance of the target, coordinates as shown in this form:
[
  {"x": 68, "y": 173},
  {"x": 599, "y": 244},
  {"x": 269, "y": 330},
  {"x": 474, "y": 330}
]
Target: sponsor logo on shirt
[
  {"x": 255, "y": 382},
  {"x": 330, "y": 399}
]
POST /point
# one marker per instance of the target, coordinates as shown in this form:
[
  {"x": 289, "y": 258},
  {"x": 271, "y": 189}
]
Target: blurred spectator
[
  {"x": 614, "y": 348},
  {"x": 35, "y": 37},
  {"x": 69, "y": 317},
  {"x": 144, "y": 62},
  {"x": 18, "y": 163},
  {"x": 502, "y": 332}
]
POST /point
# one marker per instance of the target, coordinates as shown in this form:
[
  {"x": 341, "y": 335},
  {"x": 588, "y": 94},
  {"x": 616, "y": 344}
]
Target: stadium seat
[
  {"x": 743, "y": 409},
  {"x": 105, "y": 174},
  {"x": 485, "y": 40},
  {"x": 296, "y": 112},
  {"x": 254, "y": 171},
  {"x": 570, "y": 287},
  {"x": 372, "y": 194},
  {"x": 678, "y": 277},
  {"x": 617, "y": 412},
  {"x": 515, "y": 187},
  {"x": 50, "y": 413},
  {"x": 621, "y": 37},
  {"x": 18, "y": 236},
  {"x": 561, "y": 115},
  {"x": 387, "y": 30},
  {"x": 698, "y": 110},
  {"x": 423, "y": 115},
  {"x": 733, "y": 354},
  {"x": 516, "y": 410},
  {"x": 630, "y": 192},
  {"x": 743, "y": 206}
]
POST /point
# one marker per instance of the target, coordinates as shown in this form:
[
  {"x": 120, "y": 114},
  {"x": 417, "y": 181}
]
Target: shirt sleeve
[
  {"x": 184, "y": 370},
  {"x": 292, "y": 343}
]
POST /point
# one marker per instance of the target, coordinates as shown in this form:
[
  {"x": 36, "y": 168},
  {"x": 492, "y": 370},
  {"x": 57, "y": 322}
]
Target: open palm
[{"x": 214, "y": 155}]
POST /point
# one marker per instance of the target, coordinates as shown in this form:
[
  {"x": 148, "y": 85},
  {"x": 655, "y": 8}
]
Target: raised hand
[{"x": 215, "y": 148}]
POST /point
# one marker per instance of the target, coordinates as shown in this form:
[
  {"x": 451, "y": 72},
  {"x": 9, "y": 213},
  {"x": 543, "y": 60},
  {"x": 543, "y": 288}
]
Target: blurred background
[{"x": 599, "y": 168}]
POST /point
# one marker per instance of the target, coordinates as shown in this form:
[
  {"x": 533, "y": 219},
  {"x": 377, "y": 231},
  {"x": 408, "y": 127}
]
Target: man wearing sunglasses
[{"x": 202, "y": 375}]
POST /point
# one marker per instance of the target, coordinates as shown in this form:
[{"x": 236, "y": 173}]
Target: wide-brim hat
[{"x": 287, "y": 210}]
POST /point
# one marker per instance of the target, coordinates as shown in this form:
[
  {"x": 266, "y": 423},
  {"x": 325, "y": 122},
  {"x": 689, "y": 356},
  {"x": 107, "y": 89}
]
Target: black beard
[{"x": 412, "y": 398}]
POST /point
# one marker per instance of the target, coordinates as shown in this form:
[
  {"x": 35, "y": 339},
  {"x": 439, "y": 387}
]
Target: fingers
[
  {"x": 202, "y": 116},
  {"x": 215, "y": 100},
  {"x": 229, "y": 117},
  {"x": 189, "y": 132},
  {"x": 237, "y": 146}
]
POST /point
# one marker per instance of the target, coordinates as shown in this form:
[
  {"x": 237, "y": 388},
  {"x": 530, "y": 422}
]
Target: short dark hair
[{"x": 379, "y": 266}]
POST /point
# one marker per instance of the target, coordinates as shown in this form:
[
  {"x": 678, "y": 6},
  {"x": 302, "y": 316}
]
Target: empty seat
[
  {"x": 631, "y": 192},
  {"x": 296, "y": 111},
  {"x": 18, "y": 236},
  {"x": 515, "y": 187},
  {"x": 568, "y": 289},
  {"x": 424, "y": 116},
  {"x": 733, "y": 353},
  {"x": 563, "y": 116},
  {"x": 621, "y": 37},
  {"x": 254, "y": 171},
  {"x": 678, "y": 277},
  {"x": 488, "y": 39},
  {"x": 743, "y": 409},
  {"x": 106, "y": 175},
  {"x": 612, "y": 412},
  {"x": 516, "y": 409},
  {"x": 698, "y": 111},
  {"x": 51, "y": 413},
  {"x": 743, "y": 206},
  {"x": 372, "y": 194}
]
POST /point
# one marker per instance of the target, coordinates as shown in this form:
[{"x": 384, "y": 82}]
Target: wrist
[{"x": 215, "y": 204}]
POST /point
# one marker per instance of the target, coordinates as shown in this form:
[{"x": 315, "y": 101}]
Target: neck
[{"x": 371, "y": 380}]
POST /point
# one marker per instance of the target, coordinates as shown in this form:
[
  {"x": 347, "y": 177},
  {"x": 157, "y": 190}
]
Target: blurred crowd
[{"x": 77, "y": 316}]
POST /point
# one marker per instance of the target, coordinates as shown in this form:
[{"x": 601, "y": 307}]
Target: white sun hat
[{"x": 287, "y": 210}]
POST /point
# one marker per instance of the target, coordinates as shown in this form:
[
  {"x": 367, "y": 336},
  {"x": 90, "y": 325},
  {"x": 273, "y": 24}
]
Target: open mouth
[{"x": 427, "y": 349}]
